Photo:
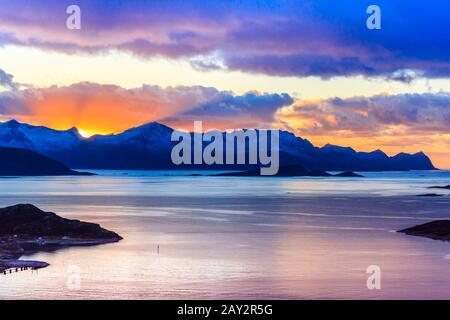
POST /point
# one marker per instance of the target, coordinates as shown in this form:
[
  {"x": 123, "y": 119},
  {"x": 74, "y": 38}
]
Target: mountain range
[{"x": 149, "y": 147}]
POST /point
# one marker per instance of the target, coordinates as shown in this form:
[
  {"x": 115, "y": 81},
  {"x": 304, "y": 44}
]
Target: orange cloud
[{"x": 95, "y": 108}]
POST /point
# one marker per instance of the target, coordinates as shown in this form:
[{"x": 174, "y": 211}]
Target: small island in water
[
  {"x": 436, "y": 230},
  {"x": 289, "y": 171},
  {"x": 26, "y": 229}
]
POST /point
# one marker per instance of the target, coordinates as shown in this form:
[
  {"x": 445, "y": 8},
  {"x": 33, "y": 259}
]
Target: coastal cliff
[{"x": 25, "y": 228}]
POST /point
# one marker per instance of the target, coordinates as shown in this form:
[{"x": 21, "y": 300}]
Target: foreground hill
[
  {"x": 149, "y": 146},
  {"x": 25, "y": 228},
  {"x": 22, "y": 162}
]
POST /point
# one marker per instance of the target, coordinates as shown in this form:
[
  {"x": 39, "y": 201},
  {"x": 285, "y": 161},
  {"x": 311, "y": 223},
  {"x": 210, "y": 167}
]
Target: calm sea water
[{"x": 226, "y": 237}]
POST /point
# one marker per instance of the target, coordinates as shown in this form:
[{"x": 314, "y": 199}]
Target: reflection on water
[{"x": 222, "y": 237}]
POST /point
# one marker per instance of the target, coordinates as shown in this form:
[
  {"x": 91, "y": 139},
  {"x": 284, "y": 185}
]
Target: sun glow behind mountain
[{"x": 86, "y": 133}]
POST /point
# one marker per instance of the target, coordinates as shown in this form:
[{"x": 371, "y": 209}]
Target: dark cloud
[
  {"x": 301, "y": 65},
  {"x": 261, "y": 106},
  {"x": 6, "y": 80}
]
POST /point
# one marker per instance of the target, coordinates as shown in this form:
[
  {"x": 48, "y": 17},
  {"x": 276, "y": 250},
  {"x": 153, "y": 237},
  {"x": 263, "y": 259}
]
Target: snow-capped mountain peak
[{"x": 38, "y": 138}]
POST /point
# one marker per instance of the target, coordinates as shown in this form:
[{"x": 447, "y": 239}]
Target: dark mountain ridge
[
  {"x": 22, "y": 162},
  {"x": 149, "y": 147}
]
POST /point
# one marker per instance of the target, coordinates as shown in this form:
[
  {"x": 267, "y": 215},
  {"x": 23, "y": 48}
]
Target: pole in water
[{"x": 157, "y": 249}]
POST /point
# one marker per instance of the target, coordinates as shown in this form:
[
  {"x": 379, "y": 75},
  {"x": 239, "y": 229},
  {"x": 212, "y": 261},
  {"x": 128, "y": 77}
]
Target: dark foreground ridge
[
  {"x": 289, "y": 171},
  {"x": 25, "y": 228},
  {"x": 22, "y": 162},
  {"x": 437, "y": 230}
]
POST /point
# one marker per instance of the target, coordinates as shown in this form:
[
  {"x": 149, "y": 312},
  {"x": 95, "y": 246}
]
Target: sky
[{"x": 310, "y": 67}]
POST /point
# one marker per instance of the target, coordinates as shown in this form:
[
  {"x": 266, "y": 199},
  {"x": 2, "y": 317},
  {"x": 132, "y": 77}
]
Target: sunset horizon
[{"x": 318, "y": 142}]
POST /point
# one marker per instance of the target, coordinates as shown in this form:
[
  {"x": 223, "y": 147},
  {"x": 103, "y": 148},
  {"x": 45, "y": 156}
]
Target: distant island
[
  {"x": 288, "y": 171},
  {"x": 436, "y": 230},
  {"x": 439, "y": 187},
  {"x": 22, "y": 162},
  {"x": 148, "y": 147},
  {"x": 25, "y": 228}
]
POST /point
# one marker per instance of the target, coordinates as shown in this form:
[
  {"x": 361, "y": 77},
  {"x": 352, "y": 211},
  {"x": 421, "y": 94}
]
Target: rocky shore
[{"x": 26, "y": 229}]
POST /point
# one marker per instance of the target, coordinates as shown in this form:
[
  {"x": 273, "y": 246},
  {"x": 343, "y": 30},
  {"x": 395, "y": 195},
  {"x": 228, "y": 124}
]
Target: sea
[{"x": 211, "y": 237}]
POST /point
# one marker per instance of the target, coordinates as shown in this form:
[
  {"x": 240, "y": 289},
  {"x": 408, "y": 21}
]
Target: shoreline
[
  {"x": 11, "y": 260},
  {"x": 26, "y": 229},
  {"x": 7, "y": 266}
]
